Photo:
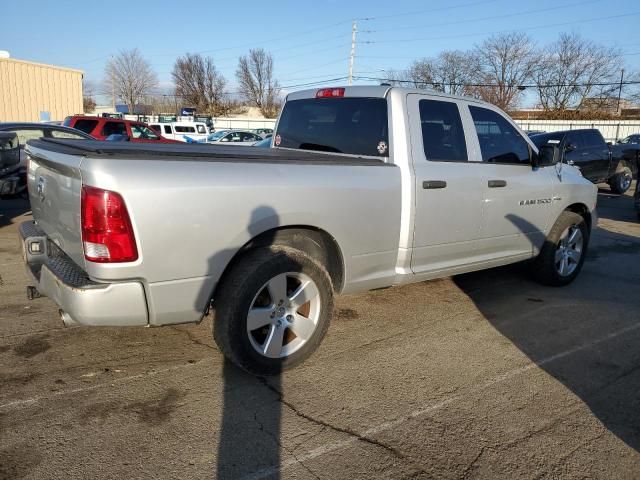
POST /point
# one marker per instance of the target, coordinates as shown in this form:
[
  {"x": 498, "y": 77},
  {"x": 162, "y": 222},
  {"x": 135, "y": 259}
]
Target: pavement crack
[
  {"x": 347, "y": 431},
  {"x": 280, "y": 445},
  {"x": 192, "y": 337},
  {"x": 473, "y": 463}
]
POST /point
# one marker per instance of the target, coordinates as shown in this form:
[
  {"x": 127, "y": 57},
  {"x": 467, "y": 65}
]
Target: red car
[{"x": 100, "y": 128}]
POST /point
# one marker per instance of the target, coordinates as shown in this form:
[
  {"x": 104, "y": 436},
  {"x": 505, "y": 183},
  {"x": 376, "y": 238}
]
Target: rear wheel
[
  {"x": 563, "y": 252},
  {"x": 621, "y": 181},
  {"x": 273, "y": 310}
]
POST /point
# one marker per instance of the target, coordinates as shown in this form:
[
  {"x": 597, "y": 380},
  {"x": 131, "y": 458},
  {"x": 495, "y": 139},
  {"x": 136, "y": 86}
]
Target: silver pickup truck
[{"x": 366, "y": 187}]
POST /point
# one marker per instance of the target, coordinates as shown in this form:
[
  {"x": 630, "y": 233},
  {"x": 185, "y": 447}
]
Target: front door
[
  {"x": 518, "y": 199},
  {"x": 448, "y": 186}
]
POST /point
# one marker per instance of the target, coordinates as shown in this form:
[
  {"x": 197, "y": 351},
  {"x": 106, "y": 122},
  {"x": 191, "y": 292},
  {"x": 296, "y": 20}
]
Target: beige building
[{"x": 33, "y": 92}]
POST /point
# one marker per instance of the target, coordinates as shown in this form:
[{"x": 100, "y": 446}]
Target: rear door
[
  {"x": 517, "y": 200},
  {"x": 600, "y": 156},
  {"x": 448, "y": 185},
  {"x": 578, "y": 153}
]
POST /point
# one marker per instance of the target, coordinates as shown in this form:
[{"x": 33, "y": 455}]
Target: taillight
[
  {"x": 107, "y": 235},
  {"x": 330, "y": 92}
]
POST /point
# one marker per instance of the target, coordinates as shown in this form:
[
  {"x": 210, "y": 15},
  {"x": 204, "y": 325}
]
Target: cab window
[
  {"x": 500, "y": 142},
  {"x": 442, "y": 132},
  {"x": 201, "y": 129}
]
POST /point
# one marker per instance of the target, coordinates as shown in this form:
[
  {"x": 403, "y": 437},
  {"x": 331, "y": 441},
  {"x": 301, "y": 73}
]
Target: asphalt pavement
[{"x": 486, "y": 375}]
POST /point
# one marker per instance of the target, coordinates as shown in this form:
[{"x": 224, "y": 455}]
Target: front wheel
[
  {"x": 621, "y": 181},
  {"x": 564, "y": 250},
  {"x": 272, "y": 310}
]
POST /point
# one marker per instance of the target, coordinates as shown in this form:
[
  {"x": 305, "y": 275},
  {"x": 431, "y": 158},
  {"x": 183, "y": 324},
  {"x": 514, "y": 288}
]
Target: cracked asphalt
[{"x": 486, "y": 375}]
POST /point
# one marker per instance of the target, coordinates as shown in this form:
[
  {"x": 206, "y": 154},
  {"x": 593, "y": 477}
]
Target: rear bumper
[{"x": 82, "y": 301}]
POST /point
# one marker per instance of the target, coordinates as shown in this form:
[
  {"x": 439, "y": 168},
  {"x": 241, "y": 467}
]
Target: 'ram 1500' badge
[
  {"x": 538, "y": 201},
  {"x": 382, "y": 148}
]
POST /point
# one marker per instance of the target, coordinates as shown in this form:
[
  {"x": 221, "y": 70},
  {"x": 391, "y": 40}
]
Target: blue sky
[{"x": 310, "y": 41}]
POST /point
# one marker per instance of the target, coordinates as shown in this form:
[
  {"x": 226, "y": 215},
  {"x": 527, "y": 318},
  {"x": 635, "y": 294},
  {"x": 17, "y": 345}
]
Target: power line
[
  {"x": 493, "y": 17},
  {"x": 520, "y": 86},
  {"x": 547, "y": 25}
]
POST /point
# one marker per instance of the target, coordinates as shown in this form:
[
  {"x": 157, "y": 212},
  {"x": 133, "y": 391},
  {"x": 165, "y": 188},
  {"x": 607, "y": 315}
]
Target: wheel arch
[
  {"x": 582, "y": 210},
  {"x": 315, "y": 242}
]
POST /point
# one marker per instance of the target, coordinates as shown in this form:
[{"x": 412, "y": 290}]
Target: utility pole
[
  {"x": 354, "y": 29},
  {"x": 618, "y": 111}
]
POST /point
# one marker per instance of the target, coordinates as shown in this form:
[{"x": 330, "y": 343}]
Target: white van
[{"x": 182, "y": 131}]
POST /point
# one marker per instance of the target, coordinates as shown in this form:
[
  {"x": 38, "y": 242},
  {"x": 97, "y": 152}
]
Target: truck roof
[{"x": 378, "y": 91}]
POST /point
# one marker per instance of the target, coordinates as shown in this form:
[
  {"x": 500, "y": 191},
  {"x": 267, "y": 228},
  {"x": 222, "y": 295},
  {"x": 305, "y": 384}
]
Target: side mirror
[
  {"x": 225, "y": 139},
  {"x": 609, "y": 143},
  {"x": 547, "y": 155},
  {"x": 570, "y": 147}
]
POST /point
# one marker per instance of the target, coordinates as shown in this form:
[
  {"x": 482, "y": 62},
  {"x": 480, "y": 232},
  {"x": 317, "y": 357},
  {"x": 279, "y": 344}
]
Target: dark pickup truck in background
[{"x": 597, "y": 160}]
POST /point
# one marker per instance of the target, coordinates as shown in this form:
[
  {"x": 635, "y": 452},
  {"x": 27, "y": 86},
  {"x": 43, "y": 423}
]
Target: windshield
[
  {"x": 357, "y": 126},
  {"x": 217, "y": 136},
  {"x": 544, "y": 138}
]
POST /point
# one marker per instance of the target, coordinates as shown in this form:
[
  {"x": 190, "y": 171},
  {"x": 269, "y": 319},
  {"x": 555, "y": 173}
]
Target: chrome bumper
[{"x": 82, "y": 301}]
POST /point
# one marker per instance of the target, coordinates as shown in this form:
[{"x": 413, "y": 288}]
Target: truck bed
[{"x": 197, "y": 152}]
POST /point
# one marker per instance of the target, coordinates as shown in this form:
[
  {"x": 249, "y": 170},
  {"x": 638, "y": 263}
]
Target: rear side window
[
  {"x": 357, "y": 126},
  {"x": 65, "y": 134},
  {"x": 201, "y": 129},
  {"x": 114, "y": 128},
  {"x": 499, "y": 141},
  {"x": 442, "y": 132},
  {"x": 181, "y": 129},
  {"x": 86, "y": 126},
  {"x": 28, "y": 134},
  {"x": 167, "y": 129}
]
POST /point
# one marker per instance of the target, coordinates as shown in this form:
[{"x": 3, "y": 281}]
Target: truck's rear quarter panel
[{"x": 191, "y": 216}]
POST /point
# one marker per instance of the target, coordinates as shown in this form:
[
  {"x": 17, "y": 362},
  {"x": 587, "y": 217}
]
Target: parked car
[
  {"x": 598, "y": 161},
  {"x": 264, "y": 143},
  {"x": 188, "y": 132},
  {"x": 266, "y": 237},
  {"x": 15, "y": 176},
  {"x": 636, "y": 198},
  {"x": 102, "y": 127},
  {"x": 263, "y": 132},
  {"x": 233, "y": 137},
  {"x": 631, "y": 139}
]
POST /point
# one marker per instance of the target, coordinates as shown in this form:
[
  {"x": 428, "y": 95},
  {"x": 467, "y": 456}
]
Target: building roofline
[{"x": 44, "y": 65}]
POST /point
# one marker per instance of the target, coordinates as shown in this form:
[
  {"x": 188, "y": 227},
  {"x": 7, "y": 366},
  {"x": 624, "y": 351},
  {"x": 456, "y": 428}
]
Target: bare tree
[
  {"x": 256, "y": 82},
  {"x": 129, "y": 77},
  {"x": 88, "y": 96},
  {"x": 505, "y": 62},
  {"x": 199, "y": 84},
  {"x": 571, "y": 69},
  {"x": 450, "y": 72}
]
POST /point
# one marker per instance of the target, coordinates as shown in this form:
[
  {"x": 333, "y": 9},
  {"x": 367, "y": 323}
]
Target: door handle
[
  {"x": 432, "y": 184},
  {"x": 497, "y": 183}
]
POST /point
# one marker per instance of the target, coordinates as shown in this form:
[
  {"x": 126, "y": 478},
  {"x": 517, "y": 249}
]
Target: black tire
[
  {"x": 544, "y": 267},
  {"x": 240, "y": 287},
  {"x": 619, "y": 182}
]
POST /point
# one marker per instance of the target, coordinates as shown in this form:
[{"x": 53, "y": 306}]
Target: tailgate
[{"x": 55, "y": 185}]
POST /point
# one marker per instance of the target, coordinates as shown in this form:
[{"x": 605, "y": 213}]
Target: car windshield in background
[
  {"x": 356, "y": 126},
  {"x": 543, "y": 138},
  {"x": 217, "y": 136}
]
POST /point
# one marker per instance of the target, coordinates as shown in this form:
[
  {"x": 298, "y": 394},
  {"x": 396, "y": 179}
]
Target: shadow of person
[
  {"x": 586, "y": 335},
  {"x": 250, "y": 420}
]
